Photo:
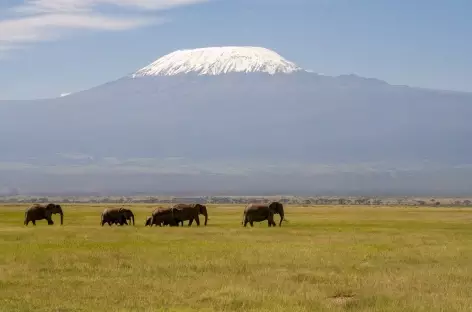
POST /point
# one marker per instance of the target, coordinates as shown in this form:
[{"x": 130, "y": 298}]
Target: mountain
[{"x": 239, "y": 120}]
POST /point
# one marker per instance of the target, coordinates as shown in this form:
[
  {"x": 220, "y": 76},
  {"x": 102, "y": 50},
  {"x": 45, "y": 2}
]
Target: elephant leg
[
  {"x": 251, "y": 223},
  {"x": 245, "y": 220},
  {"x": 190, "y": 222},
  {"x": 34, "y": 222},
  {"x": 197, "y": 219}
]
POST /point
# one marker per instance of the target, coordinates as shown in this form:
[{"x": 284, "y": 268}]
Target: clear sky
[{"x": 49, "y": 47}]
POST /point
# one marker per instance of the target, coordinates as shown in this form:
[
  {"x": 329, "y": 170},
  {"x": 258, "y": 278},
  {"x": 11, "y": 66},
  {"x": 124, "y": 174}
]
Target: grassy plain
[{"x": 326, "y": 258}]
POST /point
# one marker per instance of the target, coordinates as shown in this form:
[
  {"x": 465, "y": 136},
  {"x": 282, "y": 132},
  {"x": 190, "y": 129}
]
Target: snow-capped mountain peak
[{"x": 218, "y": 60}]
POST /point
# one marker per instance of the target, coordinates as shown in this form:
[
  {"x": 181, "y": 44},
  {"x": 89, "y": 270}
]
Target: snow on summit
[{"x": 218, "y": 60}]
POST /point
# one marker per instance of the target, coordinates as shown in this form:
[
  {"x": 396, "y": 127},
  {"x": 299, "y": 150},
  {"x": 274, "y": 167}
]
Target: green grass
[{"x": 324, "y": 259}]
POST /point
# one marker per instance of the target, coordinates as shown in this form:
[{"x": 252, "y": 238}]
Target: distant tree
[{"x": 43, "y": 200}]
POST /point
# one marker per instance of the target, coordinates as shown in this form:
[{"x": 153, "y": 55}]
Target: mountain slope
[{"x": 230, "y": 128}]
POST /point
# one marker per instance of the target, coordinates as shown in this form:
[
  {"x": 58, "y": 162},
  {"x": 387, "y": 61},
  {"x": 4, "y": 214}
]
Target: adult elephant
[
  {"x": 41, "y": 212},
  {"x": 190, "y": 212},
  {"x": 261, "y": 212},
  {"x": 179, "y": 213},
  {"x": 116, "y": 215}
]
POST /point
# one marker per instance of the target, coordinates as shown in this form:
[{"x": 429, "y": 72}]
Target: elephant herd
[{"x": 171, "y": 216}]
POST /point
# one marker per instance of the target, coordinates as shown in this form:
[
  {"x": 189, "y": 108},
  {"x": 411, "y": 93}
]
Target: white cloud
[
  {"x": 43, "y": 20},
  {"x": 68, "y": 6}
]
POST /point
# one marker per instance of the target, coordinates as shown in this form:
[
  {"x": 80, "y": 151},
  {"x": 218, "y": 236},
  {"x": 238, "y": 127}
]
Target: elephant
[
  {"x": 162, "y": 217},
  {"x": 163, "y": 222},
  {"x": 174, "y": 222},
  {"x": 116, "y": 216},
  {"x": 261, "y": 212},
  {"x": 40, "y": 212},
  {"x": 179, "y": 213}
]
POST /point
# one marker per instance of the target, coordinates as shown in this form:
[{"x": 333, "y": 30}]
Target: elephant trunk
[
  {"x": 281, "y": 218},
  {"x": 132, "y": 218},
  {"x": 205, "y": 213},
  {"x": 281, "y": 212},
  {"x": 62, "y": 217}
]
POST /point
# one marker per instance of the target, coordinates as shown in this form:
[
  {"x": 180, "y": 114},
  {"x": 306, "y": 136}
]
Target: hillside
[{"x": 249, "y": 129}]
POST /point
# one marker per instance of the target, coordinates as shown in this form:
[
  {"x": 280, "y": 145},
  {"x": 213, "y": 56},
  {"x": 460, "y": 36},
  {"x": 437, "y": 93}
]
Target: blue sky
[{"x": 49, "y": 47}]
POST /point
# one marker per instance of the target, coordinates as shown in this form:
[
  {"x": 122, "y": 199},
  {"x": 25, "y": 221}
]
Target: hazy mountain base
[
  {"x": 60, "y": 181},
  {"x": 240, "y": 134}
]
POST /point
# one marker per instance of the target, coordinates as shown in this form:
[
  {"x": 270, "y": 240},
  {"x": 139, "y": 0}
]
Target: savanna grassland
[{"x": 326, "y": 258}]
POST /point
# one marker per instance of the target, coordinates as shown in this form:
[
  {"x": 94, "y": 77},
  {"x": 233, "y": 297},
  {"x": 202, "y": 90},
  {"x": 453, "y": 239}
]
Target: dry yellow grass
[{"x": 325, "y": 259}]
